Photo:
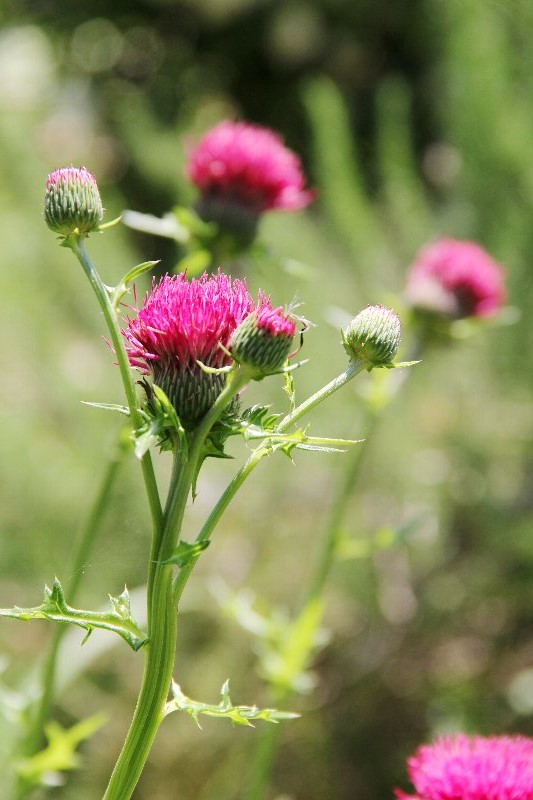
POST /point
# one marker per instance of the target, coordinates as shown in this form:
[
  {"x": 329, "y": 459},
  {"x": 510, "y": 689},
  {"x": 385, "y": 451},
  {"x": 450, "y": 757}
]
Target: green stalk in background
[{"x": 41, "y": 714}]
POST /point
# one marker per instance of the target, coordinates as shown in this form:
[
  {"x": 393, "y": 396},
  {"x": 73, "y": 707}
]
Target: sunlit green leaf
[
  {"x": 54, "y": 607},
  {"x": 60, "y": 752},
  {"x": 239, "y": 715}
]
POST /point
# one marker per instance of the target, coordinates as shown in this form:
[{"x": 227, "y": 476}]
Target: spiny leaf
[
  {"x": 161, "y": 423},
  {"x": 239, "y": 715},
  {"x": 54, "y": 607}
]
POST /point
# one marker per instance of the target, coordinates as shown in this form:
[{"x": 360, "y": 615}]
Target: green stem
[
  {"x": 267, "y": 747},
  {"x": 35, "y": 735},
  {"x": 162, "y": 619},
  {"x": 336, "y": 515},
  {"x": 264, "y": 756},
  {"x": 257, "y": 455},
  {"x": 101, "y": 291}
]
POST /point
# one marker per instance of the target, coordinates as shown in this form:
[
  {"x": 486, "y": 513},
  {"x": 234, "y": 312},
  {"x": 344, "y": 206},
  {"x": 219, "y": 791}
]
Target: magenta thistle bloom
[
  {"x": 72, "y": 201},
  {"x": 243, "y": 170},
  {"x": 472, "y": 768},
  {"x": 456, "y": 279},
  {"x": 181, "y": 323},
  {"x": 263, "y": 340}
]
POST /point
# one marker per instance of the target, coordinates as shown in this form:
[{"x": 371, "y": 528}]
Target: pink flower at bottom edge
[{"x": 472, "y": 768}]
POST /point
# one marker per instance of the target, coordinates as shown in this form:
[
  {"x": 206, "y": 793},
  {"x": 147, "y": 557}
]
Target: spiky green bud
[
  {"x": 262, "y": 342},
  {"x": 373, "y": 336},
  {"x": 72, "y": 202}
]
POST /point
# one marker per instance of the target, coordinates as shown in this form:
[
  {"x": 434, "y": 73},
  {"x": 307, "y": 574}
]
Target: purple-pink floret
[
  {"x": 182, "y": 322},
  {"x": 250, "y": 165},
  {"x": 457, "y": 277},
  {"x": 472, "y": 768},
  {"x": 69, "y": 175},
  {"x": 275, "y": 321}
]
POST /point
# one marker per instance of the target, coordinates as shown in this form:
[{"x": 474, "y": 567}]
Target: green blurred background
[{"x": 414, "y": 121}]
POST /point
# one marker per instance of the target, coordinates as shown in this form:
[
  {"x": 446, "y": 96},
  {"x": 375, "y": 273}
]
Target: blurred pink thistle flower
[
  {"x": 456, "y": 279},
  {"x": 243, "y": 170},
  {"x": 472, "y": 768}
]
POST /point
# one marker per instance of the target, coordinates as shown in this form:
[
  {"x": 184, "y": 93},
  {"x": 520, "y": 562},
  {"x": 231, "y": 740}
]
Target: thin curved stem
[
  {"x": 101, "y": 291},
  {"x": 90, "y": 530},
  {"x": 260, "y": 452},
  {"x": 265, "y": 754}
]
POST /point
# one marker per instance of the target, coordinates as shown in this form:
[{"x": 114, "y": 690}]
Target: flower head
[
  {"x": 456, "y": 279},
  {"x": 183, "y": 322},
  {"x": 263, "y": 340},
  {"x": 472, "y": 768},
  {"x": 72, "y": 201},
  {"x": 373, "y": 336},
  {"x": 243, "y": 170}
]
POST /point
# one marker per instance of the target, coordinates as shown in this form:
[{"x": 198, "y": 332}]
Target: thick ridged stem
[{"x": 162, "y": 621}]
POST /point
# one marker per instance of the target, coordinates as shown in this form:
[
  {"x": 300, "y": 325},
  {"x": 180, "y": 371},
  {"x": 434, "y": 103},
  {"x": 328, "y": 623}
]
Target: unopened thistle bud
[
  {"x": 263, "y": 340},
  {"x": 373, "y": 337},
  {"x": 72, "y": 202}
]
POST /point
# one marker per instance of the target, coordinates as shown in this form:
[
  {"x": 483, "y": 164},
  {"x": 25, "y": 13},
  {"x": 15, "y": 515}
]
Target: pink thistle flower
[
  {"x": 181, "y": 323},
  {"x": 456, "y": 279},
  {"x": 476, "y": 768},
  {"x": 72, "y": 201},
  {"x": 262, "y": 342},
  {"x": 243, "y": 169}
]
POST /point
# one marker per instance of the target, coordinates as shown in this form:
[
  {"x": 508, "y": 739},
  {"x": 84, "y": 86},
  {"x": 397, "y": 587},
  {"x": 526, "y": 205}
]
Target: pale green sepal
[
  {"x": 109, "y": 407},
  {"x": 150, "y": 437},
  {"x": 168, "y": 226},
  {"x": 239, "y": 715},
  {"x": 110, "y": 224},
  {"x": 401, "y": 364},
  {"x": 124, "y": 284},
  {"x": 54, "y": 607},
  {"x": 185, "y": 553},
  {"x": 59, "y": 754},
  {"x": 215, "y": 370}
]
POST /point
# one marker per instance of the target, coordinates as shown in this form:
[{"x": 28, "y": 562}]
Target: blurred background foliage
[{"x": 414, "y": 121}]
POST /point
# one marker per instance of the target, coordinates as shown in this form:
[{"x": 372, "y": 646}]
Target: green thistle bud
[
  {"x": 72, "y": 202},
  {"x": 262, "y": 342},
  {"x": 373, "y": 337}
]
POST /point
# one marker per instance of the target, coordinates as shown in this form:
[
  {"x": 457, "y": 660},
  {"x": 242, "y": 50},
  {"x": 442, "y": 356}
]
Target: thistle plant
[
  {"x": 197, "y": 343},
  {"x": 470, "y": 286}
]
